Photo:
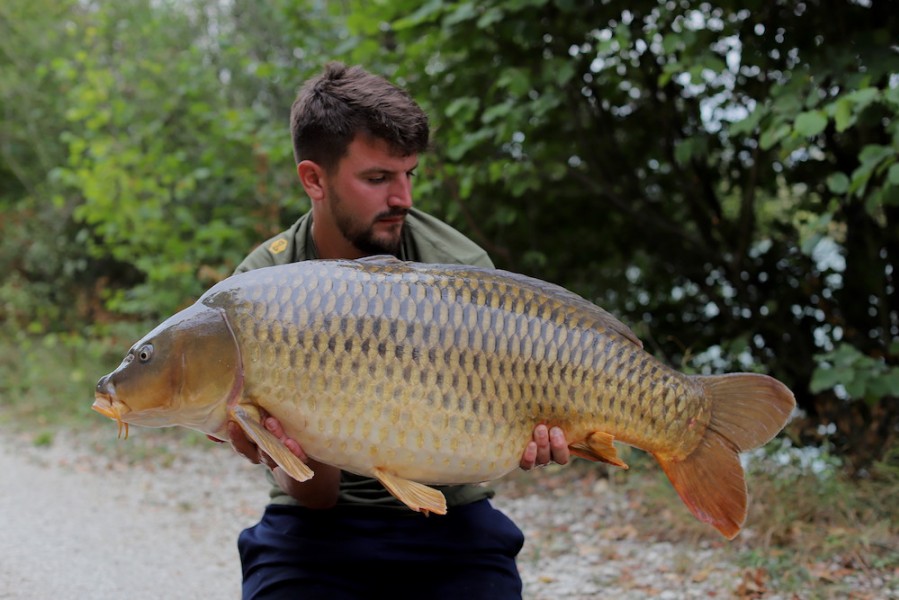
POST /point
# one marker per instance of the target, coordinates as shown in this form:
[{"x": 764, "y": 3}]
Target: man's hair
[{"x": 332, "y": 108}]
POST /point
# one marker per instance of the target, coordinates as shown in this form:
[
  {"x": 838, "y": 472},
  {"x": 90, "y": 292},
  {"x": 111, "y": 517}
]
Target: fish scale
[{"x": 438, "y": 374}]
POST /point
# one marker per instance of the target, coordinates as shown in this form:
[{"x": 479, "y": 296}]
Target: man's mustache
[{"x": 393, "y": 212}]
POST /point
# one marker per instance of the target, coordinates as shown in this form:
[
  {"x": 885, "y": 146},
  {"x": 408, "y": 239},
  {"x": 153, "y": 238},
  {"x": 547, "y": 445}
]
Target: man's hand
[
  {"x": 246, "y": 448},
  {"x": 319, "y": 492},
  {"x": 547, "y": 446}
]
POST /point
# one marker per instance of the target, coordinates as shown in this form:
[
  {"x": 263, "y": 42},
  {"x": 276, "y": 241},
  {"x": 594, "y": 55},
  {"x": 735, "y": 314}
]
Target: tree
[{"x": 43, "y": 266}]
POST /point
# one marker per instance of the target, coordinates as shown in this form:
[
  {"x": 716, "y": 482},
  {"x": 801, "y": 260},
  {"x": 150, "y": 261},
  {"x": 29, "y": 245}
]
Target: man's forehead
[{"x": 368, "y": 153}]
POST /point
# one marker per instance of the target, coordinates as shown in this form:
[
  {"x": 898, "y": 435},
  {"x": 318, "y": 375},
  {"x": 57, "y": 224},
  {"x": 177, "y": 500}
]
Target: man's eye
[{"x": 381, "y": 179}]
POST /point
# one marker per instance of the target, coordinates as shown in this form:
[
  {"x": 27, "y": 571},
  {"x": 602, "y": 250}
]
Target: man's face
[{"x": 369, "y": 194}]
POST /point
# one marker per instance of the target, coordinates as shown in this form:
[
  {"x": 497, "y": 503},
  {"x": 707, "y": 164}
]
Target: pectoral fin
[
  {"x": 598, "y": 446},
  {"x": 271, "y": 445},
  {"x": 416, "y": 496}
]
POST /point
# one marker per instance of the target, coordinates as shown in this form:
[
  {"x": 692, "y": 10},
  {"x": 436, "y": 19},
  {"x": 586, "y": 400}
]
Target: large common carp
[{"x": 422, "y": 374}]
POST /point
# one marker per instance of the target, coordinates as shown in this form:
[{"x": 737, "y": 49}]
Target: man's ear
[{"x": 312, "y": 176}]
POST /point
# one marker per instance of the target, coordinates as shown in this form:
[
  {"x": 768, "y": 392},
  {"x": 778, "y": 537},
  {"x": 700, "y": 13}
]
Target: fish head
[{"x": 185, "y": 372}]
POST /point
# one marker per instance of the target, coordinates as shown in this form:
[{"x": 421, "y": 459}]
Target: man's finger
[
  {"x": 559, "y": 446},
  {"x": 541, "y": 436},
  {"x": 241, "y": 443},
  {"x": 529, "y": 458}
]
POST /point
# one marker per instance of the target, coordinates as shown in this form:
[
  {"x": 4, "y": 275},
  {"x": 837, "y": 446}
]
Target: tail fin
[{"x": 747, "y": 411}]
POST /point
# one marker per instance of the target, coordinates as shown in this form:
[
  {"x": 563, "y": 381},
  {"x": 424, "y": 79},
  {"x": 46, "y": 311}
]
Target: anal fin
[
  {"x": 598, "y": 446},
  {"x": 417, "y": 496},
  {"x": 272, "y": 446}
]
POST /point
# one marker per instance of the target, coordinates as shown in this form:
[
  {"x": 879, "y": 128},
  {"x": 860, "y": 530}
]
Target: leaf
[
  {"x": 463, "y": 109},
  {"x": 892, "y": 96},
  {"x": 748, "y": 124},
  {"x": 874, "y": 153},
  {"x": 871, "y": 156},
  {"x": 497, "y": 111},
  {"x": 893, "y": 174},
  {"x": 564, "y": 73},
  {"x": 843, "y": 115},
  {"x": 787, "y": 104},
  {"x": 827, "y": 378},
  {"x": 682, "y": 152},
  {"x": 491, "y": 16},
  {"x": 882, "y": 385},
  {"x": 515, "y": 80},
  {"x": 461, "y": 13},
  {"x": 862, "y": 98},
  {"x": 772, "y": 136},
  {"x": 517, "y": 5},
  {"x": 672, "y": 43},
  {"x": 424, "y": 14},
  {"x": 810, "y": 123},
  {"x": 855, "y": 388},
  {"x": 458, "y": 150},
  {"x": 838, "y": 183}
]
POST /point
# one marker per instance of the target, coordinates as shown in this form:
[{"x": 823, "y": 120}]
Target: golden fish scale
[{"x": 442, "y": 374}]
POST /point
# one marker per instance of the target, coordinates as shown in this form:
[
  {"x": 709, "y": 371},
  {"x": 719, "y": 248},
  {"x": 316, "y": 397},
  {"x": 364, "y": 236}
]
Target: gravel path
[
  {"x": 78, "y": 524},
  {"x": 155, "y": 517}
]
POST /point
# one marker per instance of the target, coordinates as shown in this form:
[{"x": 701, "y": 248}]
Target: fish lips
[
  {"x": 104, "y": 399},
  {"x": 105, "y": 404}
]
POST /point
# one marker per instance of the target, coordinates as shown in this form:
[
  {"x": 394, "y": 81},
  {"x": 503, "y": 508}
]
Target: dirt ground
[{"x": 92, "y": 517}]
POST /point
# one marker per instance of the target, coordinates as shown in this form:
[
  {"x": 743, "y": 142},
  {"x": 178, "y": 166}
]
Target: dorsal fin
[{"x": 380, "y": 259}]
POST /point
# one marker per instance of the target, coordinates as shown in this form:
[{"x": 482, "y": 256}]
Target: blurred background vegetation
[{"x": 724, "y": 176}]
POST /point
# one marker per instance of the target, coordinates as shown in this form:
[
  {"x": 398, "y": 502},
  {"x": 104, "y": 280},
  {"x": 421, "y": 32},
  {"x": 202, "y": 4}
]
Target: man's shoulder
[
  {"x": 438, "y": 242},
  {"x": 286, "y": 247}
]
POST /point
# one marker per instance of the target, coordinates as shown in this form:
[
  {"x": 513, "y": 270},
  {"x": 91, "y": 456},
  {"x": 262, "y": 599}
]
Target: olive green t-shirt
[{"x": 425, "y": 239}]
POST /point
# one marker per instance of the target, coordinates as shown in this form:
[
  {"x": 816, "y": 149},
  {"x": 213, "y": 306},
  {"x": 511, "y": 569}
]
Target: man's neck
[{"x": 332, "y": 246}]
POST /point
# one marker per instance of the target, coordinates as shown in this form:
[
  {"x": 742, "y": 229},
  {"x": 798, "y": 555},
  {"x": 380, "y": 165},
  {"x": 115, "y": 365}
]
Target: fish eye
[{"x": 145, "y": 353}]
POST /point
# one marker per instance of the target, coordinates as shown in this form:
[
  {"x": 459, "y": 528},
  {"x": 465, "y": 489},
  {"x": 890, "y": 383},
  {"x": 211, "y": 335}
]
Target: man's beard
[{"x": 362, "y": 235}]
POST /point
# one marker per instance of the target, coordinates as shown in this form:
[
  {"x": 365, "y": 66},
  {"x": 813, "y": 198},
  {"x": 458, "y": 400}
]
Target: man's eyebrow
[{"x": 386, "y": 171}]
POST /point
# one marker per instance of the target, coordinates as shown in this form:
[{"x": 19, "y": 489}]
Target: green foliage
[
  {"x": 856, "y": 375},
  {"x": 168, "y": 166},
  {"x": 45, "y": 269}
]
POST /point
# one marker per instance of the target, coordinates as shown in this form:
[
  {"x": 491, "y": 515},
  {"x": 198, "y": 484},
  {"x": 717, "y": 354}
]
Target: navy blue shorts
[{"x": 345, "y": 553}]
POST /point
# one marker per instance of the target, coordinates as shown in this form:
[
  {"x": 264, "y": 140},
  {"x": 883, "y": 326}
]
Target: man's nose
[{"x": 401, "y": 194}]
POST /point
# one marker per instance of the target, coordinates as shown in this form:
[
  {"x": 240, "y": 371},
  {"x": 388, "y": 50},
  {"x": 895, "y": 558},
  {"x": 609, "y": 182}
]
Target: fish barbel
[{"x": 421, "y": 374}]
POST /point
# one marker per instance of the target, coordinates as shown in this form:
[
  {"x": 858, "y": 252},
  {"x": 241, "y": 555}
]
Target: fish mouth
[{"x": 108, "y": 406}]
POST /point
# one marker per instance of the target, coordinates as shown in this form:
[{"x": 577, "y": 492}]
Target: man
[{"x": 356, "y": 141}]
